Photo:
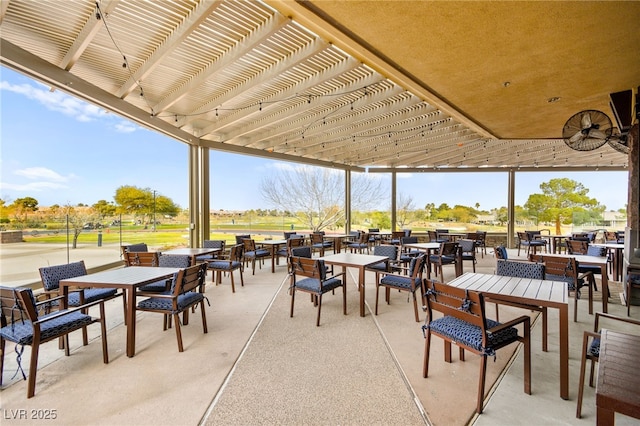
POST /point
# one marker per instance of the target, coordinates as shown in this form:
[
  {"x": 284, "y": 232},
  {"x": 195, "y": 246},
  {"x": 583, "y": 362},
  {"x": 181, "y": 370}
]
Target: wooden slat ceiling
[{"x": 411, "y": 85}]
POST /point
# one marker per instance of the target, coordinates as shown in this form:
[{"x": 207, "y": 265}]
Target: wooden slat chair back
[
  {"x": 559, "y": 268},
  {"x": 133, "y": 247},
  {"x": 310, "y": 276},
  {"x": 448, "y": 254},
  {"x": 396, "y": 236},
  {"x": 228, "y": 264},
  {"x": 465, "y": 324},
  {"x": 293, "y": 242},
  {"x": 318, "y": 243},
  {"x": 253, "y": 254},
  {"x": 22, "y": 324},
  {"x": 409, "y": 281},
  {"x": 187, "y": 290},
  {"x": 577, "y": 246},
  {"x": 143, "y": 258},
  {"x": 361, "y": 244}
]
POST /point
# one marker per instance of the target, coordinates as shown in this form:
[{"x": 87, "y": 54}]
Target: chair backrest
[
  {"x": 524, "y": 236},
  {"x": 577, "y": 246},
  {"x": 610, "y": 236},
  {"x": 448, "y": 248},
  {"x": 249, "y": 244},
  {"x": 466, "y": 305},
  {"x": 149, "y": 258},
  {"x": 134, "y": 248},
  {"x": 287, "y": 235},
  {"x": 518, "y": 268},
  {"x": 408, "y": 240},
  {"x": 388, "y": 250},
  {"x": 18, "y": 304},
  {"x": 219, "y": 244},
  {"x": 468, "y": 246},
  {"x": 433, "y": 236},
  {"x": 472, "y": 236},
  {"x": 397, "y": 235},
  {"x": 364, "y": 238},
  {"x": 374, "y": 229},
  {"x": 51, "y": 275},
  {"x": 558, "y": 268},
  {"x": 294, "y": 242},
  {"x": 407, "y": 232},
  {"x": 235, "y": 253},
  {"x": 596, "y": 251},
  {"x": 239, "y": 238},
  {"x": 189, "y": 279},
  {"x": 312, "y": 268},
  {"x": 500, "y": 252},
  {"x": 174, "y": 260},
  {"x": 301, "y": 251},
  {"x": 317, "y": 238},
  {"x": 416, "y": 266}
]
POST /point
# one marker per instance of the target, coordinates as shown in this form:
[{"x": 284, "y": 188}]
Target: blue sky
[{"x": 61, "y": 150}]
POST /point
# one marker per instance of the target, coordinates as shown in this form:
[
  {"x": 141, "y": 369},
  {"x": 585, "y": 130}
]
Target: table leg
[
  {"x": 605, "y": 288},
  {"x": 564, "y": 351},
  {"x": 273, "y": 259},
  {"x": 131, "y": 321},
  {"x": 361, "y": 288}
]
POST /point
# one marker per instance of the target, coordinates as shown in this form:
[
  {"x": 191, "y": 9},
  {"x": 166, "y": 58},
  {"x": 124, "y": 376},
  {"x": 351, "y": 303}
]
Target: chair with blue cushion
[
  {"x": 468, "y": 251},
  {"x": 465, "y": 324},
  {"x": 396, "y": 236},
  {"x": 560, "y": 268},
  {"x": 409, "y": 282},
  {"x": 253, "y": 254},
  {"x": 130, "y": 248},
  {"x": 361, "y": 245},
  {"x": 22, "y": 324},
  {"x": 187, "y": 291},
  {"x": 228, "y": 264},
  {"x": 528, "y": 239},
  {"x": 141, "y": 258},
  {"x": 591, "y": 351},
  {"x": 448, "y": 254},
  {"x": 219, "y": 244},
  {"x": 310, "y": 276},
  {"x": 180, "y": 261},
  {"x": 52, "y": 275},
  {"x": 391, "y": 252},
  {"x": 406, "y": 253},
  {"x": 320, "y": 244}
]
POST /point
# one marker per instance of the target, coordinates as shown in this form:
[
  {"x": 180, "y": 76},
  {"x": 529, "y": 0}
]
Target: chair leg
[
  {"x": 377, "y": 295},
  {"x": 178, "y": 332},
  {"x": 103, "y": 331},
  {"x": 33, "y": 369},
  {"x": 319, "y": 309},
  {"x": 427, "y": 346},
  {"x": 293, "y": 298},
  {"x": 233, "y": 286},
  {"x": 2, "y": 346},
  {"x": 583, "y": 361},
  {"x": 415, "y": 307},
  {"x": 204, "y": 318},
  {"x": 481, "y": 382}
]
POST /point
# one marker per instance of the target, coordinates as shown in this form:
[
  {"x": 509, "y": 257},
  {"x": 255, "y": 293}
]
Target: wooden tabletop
[
  {"x": 618, "y": 386},
  {"x": 353, "y": 259}
]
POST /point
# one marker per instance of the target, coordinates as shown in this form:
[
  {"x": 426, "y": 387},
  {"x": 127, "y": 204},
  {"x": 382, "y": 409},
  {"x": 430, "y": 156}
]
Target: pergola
[{"x": 382, "y": 87}]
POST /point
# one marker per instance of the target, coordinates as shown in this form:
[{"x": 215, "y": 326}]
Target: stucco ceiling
[{"x": 378, "y": 85}]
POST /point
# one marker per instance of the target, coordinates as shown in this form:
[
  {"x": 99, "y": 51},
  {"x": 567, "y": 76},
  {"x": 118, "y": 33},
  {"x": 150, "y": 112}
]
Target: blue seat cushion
[
  {"x": 568, "y": 280},
  {"x": 471, "y": 335},
  {"x": 156, "y": 287},
  {"x": 224, "y": 266},
  {"x": 258, "y": 253},
  {"x": 445, "y": 259},
  {"x": 313, "y": 284},
  {"x": 91, "y": 295},
  {"x": 382, "y": 266},
  {"x": 160, "y": 304},
  {"x": 399, "y": 282},
  {"x": 21, "y": 332}
]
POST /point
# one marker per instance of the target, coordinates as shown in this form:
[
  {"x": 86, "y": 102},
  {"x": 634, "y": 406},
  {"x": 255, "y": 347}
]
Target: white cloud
[
  {"x": 42, "y": 173},
  {"x": 126, "y": 127},
  {"x": 33, "y": 186},
  {"x": 57, "y": 101}
]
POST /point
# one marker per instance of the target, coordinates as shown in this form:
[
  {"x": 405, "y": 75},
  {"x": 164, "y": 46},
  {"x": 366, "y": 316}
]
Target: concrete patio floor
[{"x": 162, "y": 386}]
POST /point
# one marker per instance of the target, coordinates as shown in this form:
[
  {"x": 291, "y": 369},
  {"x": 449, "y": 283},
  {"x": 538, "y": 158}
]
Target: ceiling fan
[{"x": 587, "y": 130}]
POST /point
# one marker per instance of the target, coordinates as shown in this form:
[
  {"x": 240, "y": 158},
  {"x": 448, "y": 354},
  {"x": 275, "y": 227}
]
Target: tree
[
  {"x": 560, "y": 200},
  {"x": 317, "y": 194},
  {"x": 404, "y": 210},
  {"x": 141, "y": 202},
  {"x": 104, "y": 208},
  {"x": 22, "y": 206}
]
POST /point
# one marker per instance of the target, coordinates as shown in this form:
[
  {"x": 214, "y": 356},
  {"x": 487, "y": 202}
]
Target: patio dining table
[
  {"x": 274, "y": 246},
  {"x": 193, "y": 252},
  {"x": 355, "y": 260},
  {"x": 128, "y": 279},
  {"x": 523, "y": 292}
]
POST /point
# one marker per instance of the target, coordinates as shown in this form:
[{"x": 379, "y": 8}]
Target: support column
[
  {"x": 347, "y": 201},
  {"x": 511, "y": 210},
  {"x": 393, "y": 201}
]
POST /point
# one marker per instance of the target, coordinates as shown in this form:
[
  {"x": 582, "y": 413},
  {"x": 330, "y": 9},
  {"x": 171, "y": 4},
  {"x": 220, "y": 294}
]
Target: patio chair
[
  {"x": 448, "y": 254},
  {"x": 500, "y": 252},
  {"x": 465, "y": 324},
  {"x": 219, "y": 244},
  {"x": 391, "y": 252},
  {"x": 227, "y": 264},
  {"x": 583, "y": 247},
  {"x": 319, "y": 243},
  {"x": 528, "y": 240},
  {"x": 181, "y": 261},
  {"x": 481, "y": 242},
  {"x": 310, "y": 276},
  {"x": 239, "y": 238},
  {"x": 559, "y": 268},
  {"x": 253, "y": 254},
  {"x": 374, "y": 239},
  {"x": 22, "y": 324},
  {"x": 409, "y": 282},
  {"x": 434, "y": 237},
  {"x": 133, "y": 248},
  {"x": 468, "y": 252},
  {"x": 292, "y": 242},
  {"x": 361, "y": 244},
  {"x": 143, "y": 258},
  {"x": 396, "y": 236},
  {"x": 591, "y": 352},
  {"x": 52, "y": 275},
  {"x": 187, "y": 291}
]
